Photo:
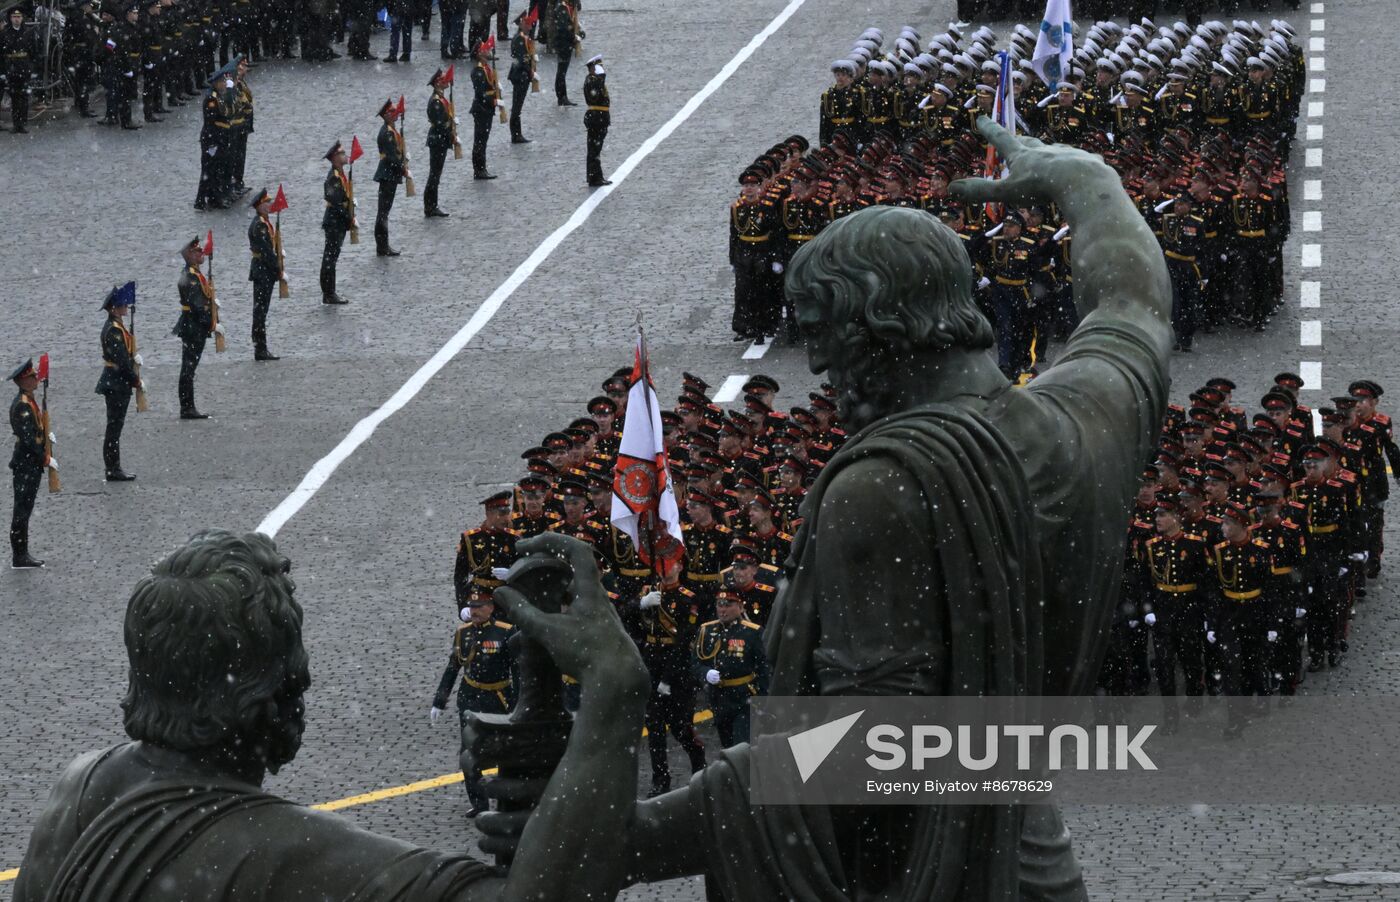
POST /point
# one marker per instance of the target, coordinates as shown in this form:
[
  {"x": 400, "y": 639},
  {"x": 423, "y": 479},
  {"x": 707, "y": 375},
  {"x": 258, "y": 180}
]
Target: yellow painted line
[{"x": 391, "y": 792}]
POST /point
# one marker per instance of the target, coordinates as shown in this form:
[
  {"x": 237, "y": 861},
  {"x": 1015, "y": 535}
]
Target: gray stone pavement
[{"x": 373, "y": 549}]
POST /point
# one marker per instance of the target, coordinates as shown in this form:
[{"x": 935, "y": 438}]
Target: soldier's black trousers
[
  {"x": 730, "y": 705},
  {"x": 483, "y": 703},
  {"x": 1013, "y": 327},
  {"x": 754, "y": 313},
  {"x": 387, "y": 192},
  {"x": 1186, "y": 299},
  {"x": 561, "y": 72},
  {"x": 517, "y": 104},
  {"x": 262, "y": 301},
  {"x": 1243, "y": 637},
  {"x": 117, "y": 403},
  {"x": 1253, "y": 281},
  {"x": 596, "y": 135},
  {"x": 335, "y": 240},
  {"x": 19, "y": 101},
  {"x": 1178, "y": 637},
  {"x": 1327, "y": 601},
  {"x": 674, "y": 711},
  {"x": 26, "y": 490},
  {"x": 239, "y": 146},
  {"x": 208, "y": 172},
  {"x": 481, "y": 133},
  {"x": 437, "y": 156},
  {"x": 1287, "y": 653},
  {"x": 190, "y": 352}
]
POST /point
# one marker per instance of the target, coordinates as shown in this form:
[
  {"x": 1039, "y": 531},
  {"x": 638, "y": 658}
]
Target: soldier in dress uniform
[
  {"x": 1244, "y": 626},
  {"x": 118, "y": 380},
  {"x": 841, "y": 103},
  {"x": 707, "y": 544},
  {"x": 195, "y": 325},
  {"x": 772, "y": 544},
  {"x": 486, "y": 97},
  {"x": 338, "y": 219},
  {"x": 754, "y": 583},
  {"x": 264, "y": 271},
  {"x": 754, "y": 228},
  {"x": 482, "y": 654},
  {"x": 486, "y": 549},
  {"x": 563, "y": 37},
  {"x": 573, "y": 495},
  {"x": 152, "y": 64},
  {"x": 1283, "y": 591},
  {"x": 1328, "y": 512},
  {"x": 520, "y": 76},
  {"x": 1181, "y": 237},
  {"x": 603, "y": 410},
  {"x": 393, "y": 166},
  {"x": 1013, "y": 260},
  {"x": 214, "y": 151},
  {"x": 1374, "y": 433},
  {"x": 19, "y": 52},
  {"x": 670, "y": 616},
  {"x": 1178, "y": 564},
  {"x": 728, "y": 656},
  {"x": 596, "y": 119},
  {"x": 442, "y": 137},
  {"x": 1066, "y": 120},
  {"x": 532, "y": 518},
  {"x": 241, "y": 126},
  {"x": 27, "y": 463}
]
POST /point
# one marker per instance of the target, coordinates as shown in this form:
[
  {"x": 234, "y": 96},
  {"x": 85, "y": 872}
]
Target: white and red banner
[{"x": 644, "y": 504}]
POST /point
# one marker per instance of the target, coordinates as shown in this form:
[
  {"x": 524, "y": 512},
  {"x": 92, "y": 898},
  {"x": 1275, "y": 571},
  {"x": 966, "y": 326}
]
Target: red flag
[
  {"x": 529, "y": 21},
  {"x": 209, "y": 244},
  {"x": 356, "y": 151},
  {"x": 399, "y": 110},
  {"x": 644, "y": 503},
  {"x": 43, "y": 367},
  {"x": 489, "y": 44},
  {"x": 450, "y": 75}
]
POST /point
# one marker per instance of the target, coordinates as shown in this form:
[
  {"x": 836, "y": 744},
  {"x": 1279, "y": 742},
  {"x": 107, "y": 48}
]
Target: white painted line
[
  {"x": 1314, "y": 133},
  {"x": 1312, "y": 256},
  {"x": 756, "y": 350},
  {"x": 1312, "y": 221},
  {"x": 1318, "y": 24},
  {"x": 1312, "y": 294},
  {"x": 1310, "y": 333},
  {"x": 730, "y": 388},
  {"x": 322, "y": 470},
  {"x": 1311, "y": 371},
  {"x": 1317, "y": 64},
  {"x": 1317, "y": 85},
  {"x": 1317, "y": 422},
  {"x": 1313, "y": 157},
  {"x": 1315, "y": 109},
  {"x": 1312, "y": 189},
  {"x": 1317, "y": 44}
]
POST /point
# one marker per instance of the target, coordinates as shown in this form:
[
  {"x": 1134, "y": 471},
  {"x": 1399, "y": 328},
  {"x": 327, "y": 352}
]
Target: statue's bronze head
[
  {"x": 217, "y": 666},
  {"x": 876, "y": 289}
]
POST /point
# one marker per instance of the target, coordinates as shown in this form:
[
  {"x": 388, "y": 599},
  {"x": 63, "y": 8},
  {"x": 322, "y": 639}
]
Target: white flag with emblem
[
  {"x": 1055, "y": 45},
  {"x": 644, "y": 504}
]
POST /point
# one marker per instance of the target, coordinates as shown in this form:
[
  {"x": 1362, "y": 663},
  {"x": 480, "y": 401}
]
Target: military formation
[
  {"x": 739, "y": 478},
  {"x": 1197, "y": 120},
  {"x": 1251, "y": 542}
]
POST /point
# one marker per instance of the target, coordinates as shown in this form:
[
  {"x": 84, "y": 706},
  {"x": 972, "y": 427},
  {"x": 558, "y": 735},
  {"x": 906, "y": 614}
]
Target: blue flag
[{"x": 125, "y": 296}]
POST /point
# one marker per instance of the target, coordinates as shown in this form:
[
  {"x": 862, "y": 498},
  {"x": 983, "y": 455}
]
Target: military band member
[
  {"x": 442, "y": 137},
  {"x": 728, "y": 656},
  {"x": 482, "y": 654},
  {"x": 338, "y": 219},
  {"x": 27, "y": 463},
  {"x": 393, "y": 166},
  {"x": 264, "y": 271},
  {"x": 596, "y": 119},
  {"x": 195, "y": 325},
  {"x": 118, "y": 380}
]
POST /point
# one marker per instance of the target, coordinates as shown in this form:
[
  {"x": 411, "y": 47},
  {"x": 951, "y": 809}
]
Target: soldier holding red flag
[
  {"x": 442, "y": 136},
  {"x": 393, "y": 166},
  {"x": 338, "y": 219},
  {"x": 487, "y": 98},
  {"x": 522, "y": 70},
  {"x": 265, "y": 269},
  {"x": 196, "y": 322}
]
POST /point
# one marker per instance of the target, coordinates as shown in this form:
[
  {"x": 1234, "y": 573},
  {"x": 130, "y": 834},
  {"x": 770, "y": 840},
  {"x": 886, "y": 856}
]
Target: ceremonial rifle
[
  {"x": 142, "y": 405},
  {"x": 451, "y": 78},
  {"x": 356, "y": 151},
  {"x": 409, "y": 189},
  {"x": 279, "y": 204},
  {"x": 46, "y": 424},
  {"x": 215, "y": 328}
]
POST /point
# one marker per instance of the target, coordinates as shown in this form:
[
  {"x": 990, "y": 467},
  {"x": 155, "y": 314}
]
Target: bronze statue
[
  {"x": 970, "y": 533},
  {"x": 215, "y": 702}
]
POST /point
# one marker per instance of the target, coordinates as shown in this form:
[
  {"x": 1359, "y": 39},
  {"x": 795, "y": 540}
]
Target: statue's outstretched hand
[{"x": 1038, "y": 172}]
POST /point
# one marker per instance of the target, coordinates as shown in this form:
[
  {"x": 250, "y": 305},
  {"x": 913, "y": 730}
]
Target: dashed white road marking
[
  {"x": 1314, "y": 133},
  {"x": 729, "y": 389},
  {"x": 1312, "y": 221},
  {"x": 1315, "y": 109},
  {"x": 1310, "y": 332},
  {"x": 1313, "y": 158},
  {"x": 756, "y": 350},
  {"x": 1317, "y": 64},
  {"x": 1311, "y": 371},
  {"x": 1317, "y": 85},
  {"x": 1312, "y": 256},
  {"x": 1317, "y": 44},
  {"x": 1311, "y": 294},
  {"x": 1312, "y": 189}
]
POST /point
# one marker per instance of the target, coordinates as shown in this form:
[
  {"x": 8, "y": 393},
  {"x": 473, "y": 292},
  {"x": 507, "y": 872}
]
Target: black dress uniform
[
  {"x": 264, "y": 270},
  {"x": 1283, "y": 592},
  {"x": 733, "y": 653},
  {"x": 520, "y": 76},
  {"x": 240, "y": 127},
  {"x": 596, "y": 119},
  {"x": 1181, "y": 238},
  {"x": 1013, "y": 262},
  {"x": 1244, "y": 618},
  {"x": 754, "y": 228},
  {"x": 841, "y": 111},
  {"x": 1253, "y": 221},
  {"x": 193, "y": 327},
  {"x": 563, "y": 32},
  {"x": 389, "y": 173},
  {"x": 131, "y": 43},
  {"x": 1178, "y": 567},
  {"x": 668, "y": 629},
  {"x": 706, "y": 557},
  {"x": 484, "y": 658},
  {"x": 152, "y": 63},
  {"x": 27, "y": 466},
  {"x": 117, "y": 382},
  {"x": 213, "y": 151},
  {"x": 1328, "y": 511},
  {"x": 335, "y": 222},
  {"x": 19, "y": 51},
  {"x": 486, "y": 94},
  {"x": 442, "y": 137}
]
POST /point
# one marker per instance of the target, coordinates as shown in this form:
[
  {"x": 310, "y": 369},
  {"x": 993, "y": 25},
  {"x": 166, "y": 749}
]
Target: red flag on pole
[
  {"x": 449, "y": 76},
  {"x": 399, "y": 110},
  {"x": 209, "y": 244},
  {"x": 279, "y": 203},
  {"x": 43, "y": 367},
  {"x": 644, "y": 504},
  {"x": 486, "y": 47},
  {"x": 356, "y": 151},
  {"x": 528, "y": 23}
]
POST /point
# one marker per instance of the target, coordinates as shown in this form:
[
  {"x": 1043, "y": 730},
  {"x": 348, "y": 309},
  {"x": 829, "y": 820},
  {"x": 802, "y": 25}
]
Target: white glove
[
  {"x": 501, "y": 104},
  {"x": 53, "y": 462},
  {"x": 983, "y": 282},
  {"x": 456, "y": 121},
  {"x": 217, "y": 305},
  {"x": 1271, "y": 635},
  {"x": 1341, "y": 571},
  {"x": 1132, "y": 624},
  {"x": 663, "y": 688},
  {"x": 1210, "y": 636},
  {"x": 228, "y": 83},
  {"x": 129, "y": 74},
  {"x": 1224, "y": 259},
  {"x": 651, "y": 600},
  {"x": 138, "y": 360},
  {"x": 712, "y": 677},
  {"x": 150, "y": 65},
  {"x": 1205, "y": 282},
  {"x": 1309, "y": 590},
  {"x": 52, "y": 440},
  {"x": 600, "y": 70},
  {"x": 1359, "y": 557},
  {"x": 500, "y": 572},
  {"x": 1299, "y": 613},
  {"x": 465, "y": 614},
  {"x": 1150, "y": 619},
  {"x": 777, "y": 267},
  {"x": 434, "y": 713},
  {"x": 219, "y": 329}
]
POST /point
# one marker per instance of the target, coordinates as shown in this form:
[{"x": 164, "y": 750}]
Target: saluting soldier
[
  {"x": 597, "y": 117},
  {"x": 118, "y": 380},
  {"x": 486, "y": 98},
  {"x": 482, "y": 655},
  {"x": 19, "y": 51},
  {"x": 389, "y": 173},
  {"x": 195, "y": 325},
  {"x": 336, "y": 221},
  {"x": 728, "y": 655},
  {"x": 264, "y": 271},
  {"x": 27, "y": 463}
]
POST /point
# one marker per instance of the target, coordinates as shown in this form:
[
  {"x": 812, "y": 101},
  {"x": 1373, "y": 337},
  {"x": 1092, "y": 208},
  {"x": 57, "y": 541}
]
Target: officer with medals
[
  {"x": 488, "y": 548},
  {"x": 728, "y": 656}
]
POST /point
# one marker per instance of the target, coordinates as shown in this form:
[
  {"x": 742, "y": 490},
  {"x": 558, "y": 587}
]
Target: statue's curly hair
[{"x": 216, "y": 661}]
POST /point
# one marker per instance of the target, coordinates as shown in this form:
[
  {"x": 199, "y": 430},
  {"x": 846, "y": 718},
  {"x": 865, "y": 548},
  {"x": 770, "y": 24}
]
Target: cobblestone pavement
[{"x": 373, "y": 548}]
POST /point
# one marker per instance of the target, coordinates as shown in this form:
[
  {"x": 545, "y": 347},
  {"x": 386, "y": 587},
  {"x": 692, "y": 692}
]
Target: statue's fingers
[
  {"x": 976, "y": 190},
  {"x": 578, "y": 555},
  {"x": 1008, "y": 145},
  {"x": 514, "y": 789},
  {"x": 498, "y": 845},
  {"x": 506, "y": 825},
  {"x": 529, "y": 618}
]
